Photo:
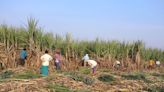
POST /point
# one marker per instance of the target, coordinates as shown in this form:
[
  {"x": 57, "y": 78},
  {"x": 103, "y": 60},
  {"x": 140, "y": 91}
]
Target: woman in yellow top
[{"x": 151, "y": 64}]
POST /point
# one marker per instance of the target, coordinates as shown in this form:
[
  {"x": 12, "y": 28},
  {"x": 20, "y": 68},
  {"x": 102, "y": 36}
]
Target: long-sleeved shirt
[
  {"x": 85, "y": 58},
  {"x": 46, "y": 58}
]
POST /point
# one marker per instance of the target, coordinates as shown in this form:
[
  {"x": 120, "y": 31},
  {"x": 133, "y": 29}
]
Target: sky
[{"x": 123, "y": 20}]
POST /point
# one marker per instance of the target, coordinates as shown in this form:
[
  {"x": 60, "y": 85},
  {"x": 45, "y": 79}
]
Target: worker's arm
[{"x": 51, "y": 58}]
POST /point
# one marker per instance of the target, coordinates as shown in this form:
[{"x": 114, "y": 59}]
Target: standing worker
[
  {"x": 46, "y": 58},
  {"x": 23, "y": 56},
  {"x": 151, "y": 64},
  {"x": 57, "y": 59},
  {"x": 85, "y": 58}
]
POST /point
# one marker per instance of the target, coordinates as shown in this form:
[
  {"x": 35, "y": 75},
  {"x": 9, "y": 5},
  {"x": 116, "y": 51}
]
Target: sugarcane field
[
  {"x": 82, "y": 46},
  {"x": 75, "y": 66}
]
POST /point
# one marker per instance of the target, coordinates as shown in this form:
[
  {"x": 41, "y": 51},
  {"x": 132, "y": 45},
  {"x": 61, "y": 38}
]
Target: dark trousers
[
  {"x": 22, "y": 62},
  {"x": 57, "y": 64}
]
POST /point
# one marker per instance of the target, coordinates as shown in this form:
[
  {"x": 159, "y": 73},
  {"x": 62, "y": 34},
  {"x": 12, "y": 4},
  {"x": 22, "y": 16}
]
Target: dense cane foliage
[{"x": 35, "y": 39}]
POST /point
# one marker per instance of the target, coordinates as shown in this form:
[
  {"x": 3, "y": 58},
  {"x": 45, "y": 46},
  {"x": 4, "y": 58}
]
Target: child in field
[
  {"x": 93, "y": 65},
  {"x": 57, "y": 59},
  {"x": 85, "y": 58},
  {"x": 46, "y": 58}
]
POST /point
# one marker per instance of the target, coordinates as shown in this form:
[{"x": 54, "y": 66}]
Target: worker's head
[
  {"x": 46, "y": 51},
  {"x": 118, "y": 62},
  {"x": 86, "y": 61},
  {"x": 24, "y": 48},
  {"x": 57, "y": 51},
  {"x": 156, "y": 59}
]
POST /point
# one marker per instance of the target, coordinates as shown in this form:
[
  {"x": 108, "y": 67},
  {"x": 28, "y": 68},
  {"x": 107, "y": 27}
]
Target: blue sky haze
[{"x": 124, "y": 20}]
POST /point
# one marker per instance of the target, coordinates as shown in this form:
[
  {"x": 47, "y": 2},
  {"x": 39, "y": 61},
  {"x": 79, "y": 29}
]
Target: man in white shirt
[
  {"x": 46, "y": 58},
  {"x": 93, "y": 65},
  {"x": 85, "y": 58}
]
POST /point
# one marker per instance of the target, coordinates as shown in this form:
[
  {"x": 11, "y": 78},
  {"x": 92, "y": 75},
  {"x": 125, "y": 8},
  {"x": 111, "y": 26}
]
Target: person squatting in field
[
  {"x": 93, "y": 65},
  {"x": 117, "y": 64},
  {"x": 157, "y": 62},
  {"x": 46, "y": 58},
  {"x": 57, "y": 59},
  {"x": 23, "y": 56}
]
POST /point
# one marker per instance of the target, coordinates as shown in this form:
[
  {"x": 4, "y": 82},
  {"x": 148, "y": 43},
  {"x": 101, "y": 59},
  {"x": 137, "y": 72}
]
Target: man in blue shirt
[{"x": 23, "y": 56}]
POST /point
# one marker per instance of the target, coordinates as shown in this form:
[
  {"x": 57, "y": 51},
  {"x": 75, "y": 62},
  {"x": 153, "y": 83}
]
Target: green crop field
[{"x": 133, "y": 74}]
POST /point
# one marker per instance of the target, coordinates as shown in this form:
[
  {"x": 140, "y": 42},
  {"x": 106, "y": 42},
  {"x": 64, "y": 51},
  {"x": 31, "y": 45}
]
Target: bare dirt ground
[{"x": 67, "y": 82}]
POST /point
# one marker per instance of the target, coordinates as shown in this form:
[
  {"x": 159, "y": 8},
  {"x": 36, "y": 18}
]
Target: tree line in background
[{"x": 12, "y": 39}]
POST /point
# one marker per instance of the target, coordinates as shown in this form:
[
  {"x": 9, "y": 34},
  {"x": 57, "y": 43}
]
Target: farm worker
[
  {"x": 117, "y": 64},
  {"x": 158, "y": 63},
  {"x": 23, "y": 56},
  {"x": 46, "y": 58},
  {"x": 57, "y": 59},
  {"x": 151, "y": 64},
  {"x": 85, "y": 58},
  {"x": 93, "y": 65}
]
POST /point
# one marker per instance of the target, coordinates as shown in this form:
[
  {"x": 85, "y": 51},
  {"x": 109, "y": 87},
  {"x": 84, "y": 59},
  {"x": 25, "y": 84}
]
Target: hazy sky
[{"x": 124, "y": 20}]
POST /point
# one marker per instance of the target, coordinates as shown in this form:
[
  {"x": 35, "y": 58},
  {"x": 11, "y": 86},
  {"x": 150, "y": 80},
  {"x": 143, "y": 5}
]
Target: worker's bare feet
[{"x": 93, "y": 74}]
